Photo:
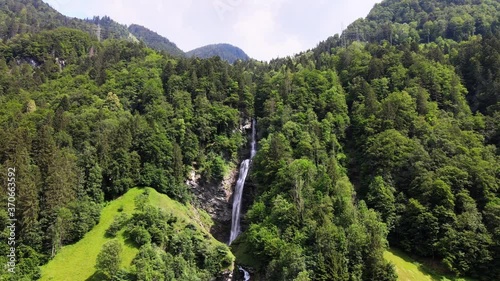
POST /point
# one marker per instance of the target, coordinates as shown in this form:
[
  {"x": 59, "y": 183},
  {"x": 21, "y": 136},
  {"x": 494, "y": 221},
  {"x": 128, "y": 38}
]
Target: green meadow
[
  {"x": 409, "y": 269},
  {"x": 76, "y": 262}
]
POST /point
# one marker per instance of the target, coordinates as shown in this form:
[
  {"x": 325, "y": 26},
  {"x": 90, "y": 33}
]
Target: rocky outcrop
[
  {"x": 215, "y": 199},
  {"x": 226, "y": 276}
]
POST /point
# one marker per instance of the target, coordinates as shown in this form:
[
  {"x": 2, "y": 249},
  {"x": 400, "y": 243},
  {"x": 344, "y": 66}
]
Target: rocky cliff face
[{"x": 216, "y": 200}]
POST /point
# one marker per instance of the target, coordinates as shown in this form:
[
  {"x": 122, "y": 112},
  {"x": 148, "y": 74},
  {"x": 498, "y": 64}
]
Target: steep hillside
[
  {"x": 451, "y": 19},
  {"x": 420, "y": 21},
  {"x": 154, "y": 40},
  {"x": 409, "y": 269},
  {"x": 32, "y": 16},
  {"x": 107, "y": 28},
  {"x": 109, "y": 116},
  {"x": 408, "y": 116},
  {"x": 79, "y": 260},
  {"x": 226, "y": 52}
]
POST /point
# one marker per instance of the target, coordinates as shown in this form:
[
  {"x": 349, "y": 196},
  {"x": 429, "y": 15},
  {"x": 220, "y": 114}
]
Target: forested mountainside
[
  {"x": 32, "y": 16},
  {"x": 154, "y": 40},
  {"x": 363, "y": 143},
  {"x": 422, "y": 21},
  {"x": 85, "y": 131},
  {"x": 226, "y": 52}
]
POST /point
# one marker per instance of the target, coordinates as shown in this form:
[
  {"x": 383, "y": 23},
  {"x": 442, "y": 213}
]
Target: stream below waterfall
[
  {"x": 238, "y": 195},
  {"x": 246, "y": 274}
]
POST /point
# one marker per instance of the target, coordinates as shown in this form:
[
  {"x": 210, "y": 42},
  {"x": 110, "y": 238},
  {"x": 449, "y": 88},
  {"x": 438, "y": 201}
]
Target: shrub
[
  {"x": 118, "y": 223},
  {"x": 140, "y": 235},
  {"x": 108, "y": 260}
]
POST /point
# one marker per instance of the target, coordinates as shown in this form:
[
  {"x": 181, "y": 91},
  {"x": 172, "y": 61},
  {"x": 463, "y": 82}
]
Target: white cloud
[
  {"x": 259, "y": 34},
  {"x": 263, "y": 34}
]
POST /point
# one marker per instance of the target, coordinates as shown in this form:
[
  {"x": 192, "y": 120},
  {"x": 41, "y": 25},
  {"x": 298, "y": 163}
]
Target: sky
[{"x": 264, "y": 29}]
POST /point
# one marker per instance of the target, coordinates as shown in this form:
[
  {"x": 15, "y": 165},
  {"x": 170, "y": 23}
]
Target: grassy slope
[
  {"x": 410, "y": 270},
  {"x": 76, "y": 262},
  {"x": 186, "y": 213}
]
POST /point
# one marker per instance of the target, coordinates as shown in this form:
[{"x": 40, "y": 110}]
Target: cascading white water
[
  {"x": 253, "y": 145},
  {"x": 246, "y": 275},
  {"x": 238, "y": 194},
  {"x": 238, "y": 190}
]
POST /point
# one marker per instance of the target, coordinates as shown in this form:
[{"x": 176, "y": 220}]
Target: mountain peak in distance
[{"x": 226, "y": 52}]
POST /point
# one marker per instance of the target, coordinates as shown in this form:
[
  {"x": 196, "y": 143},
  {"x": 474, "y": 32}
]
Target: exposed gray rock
[{"x": 215, "y": 199}]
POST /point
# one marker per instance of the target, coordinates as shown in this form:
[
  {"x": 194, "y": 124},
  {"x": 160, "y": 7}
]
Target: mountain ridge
[
  {"x": 225, "y": 51},
  {"x": 399, "y": 22},
  {"x": 154, "y": 40},
  {"x": 32, "y": 16}
]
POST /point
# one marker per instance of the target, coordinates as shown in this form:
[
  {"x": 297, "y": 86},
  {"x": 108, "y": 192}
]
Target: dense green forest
[
  {"x": 32, "y": 16},
  {"x": 388, "y": 134}
]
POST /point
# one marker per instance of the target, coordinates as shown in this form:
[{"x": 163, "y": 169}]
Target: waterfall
[
  {"x": 253, "y": 145},
  {"x": 238, "y": 193},
  {"x": 238, "y": 190}
]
